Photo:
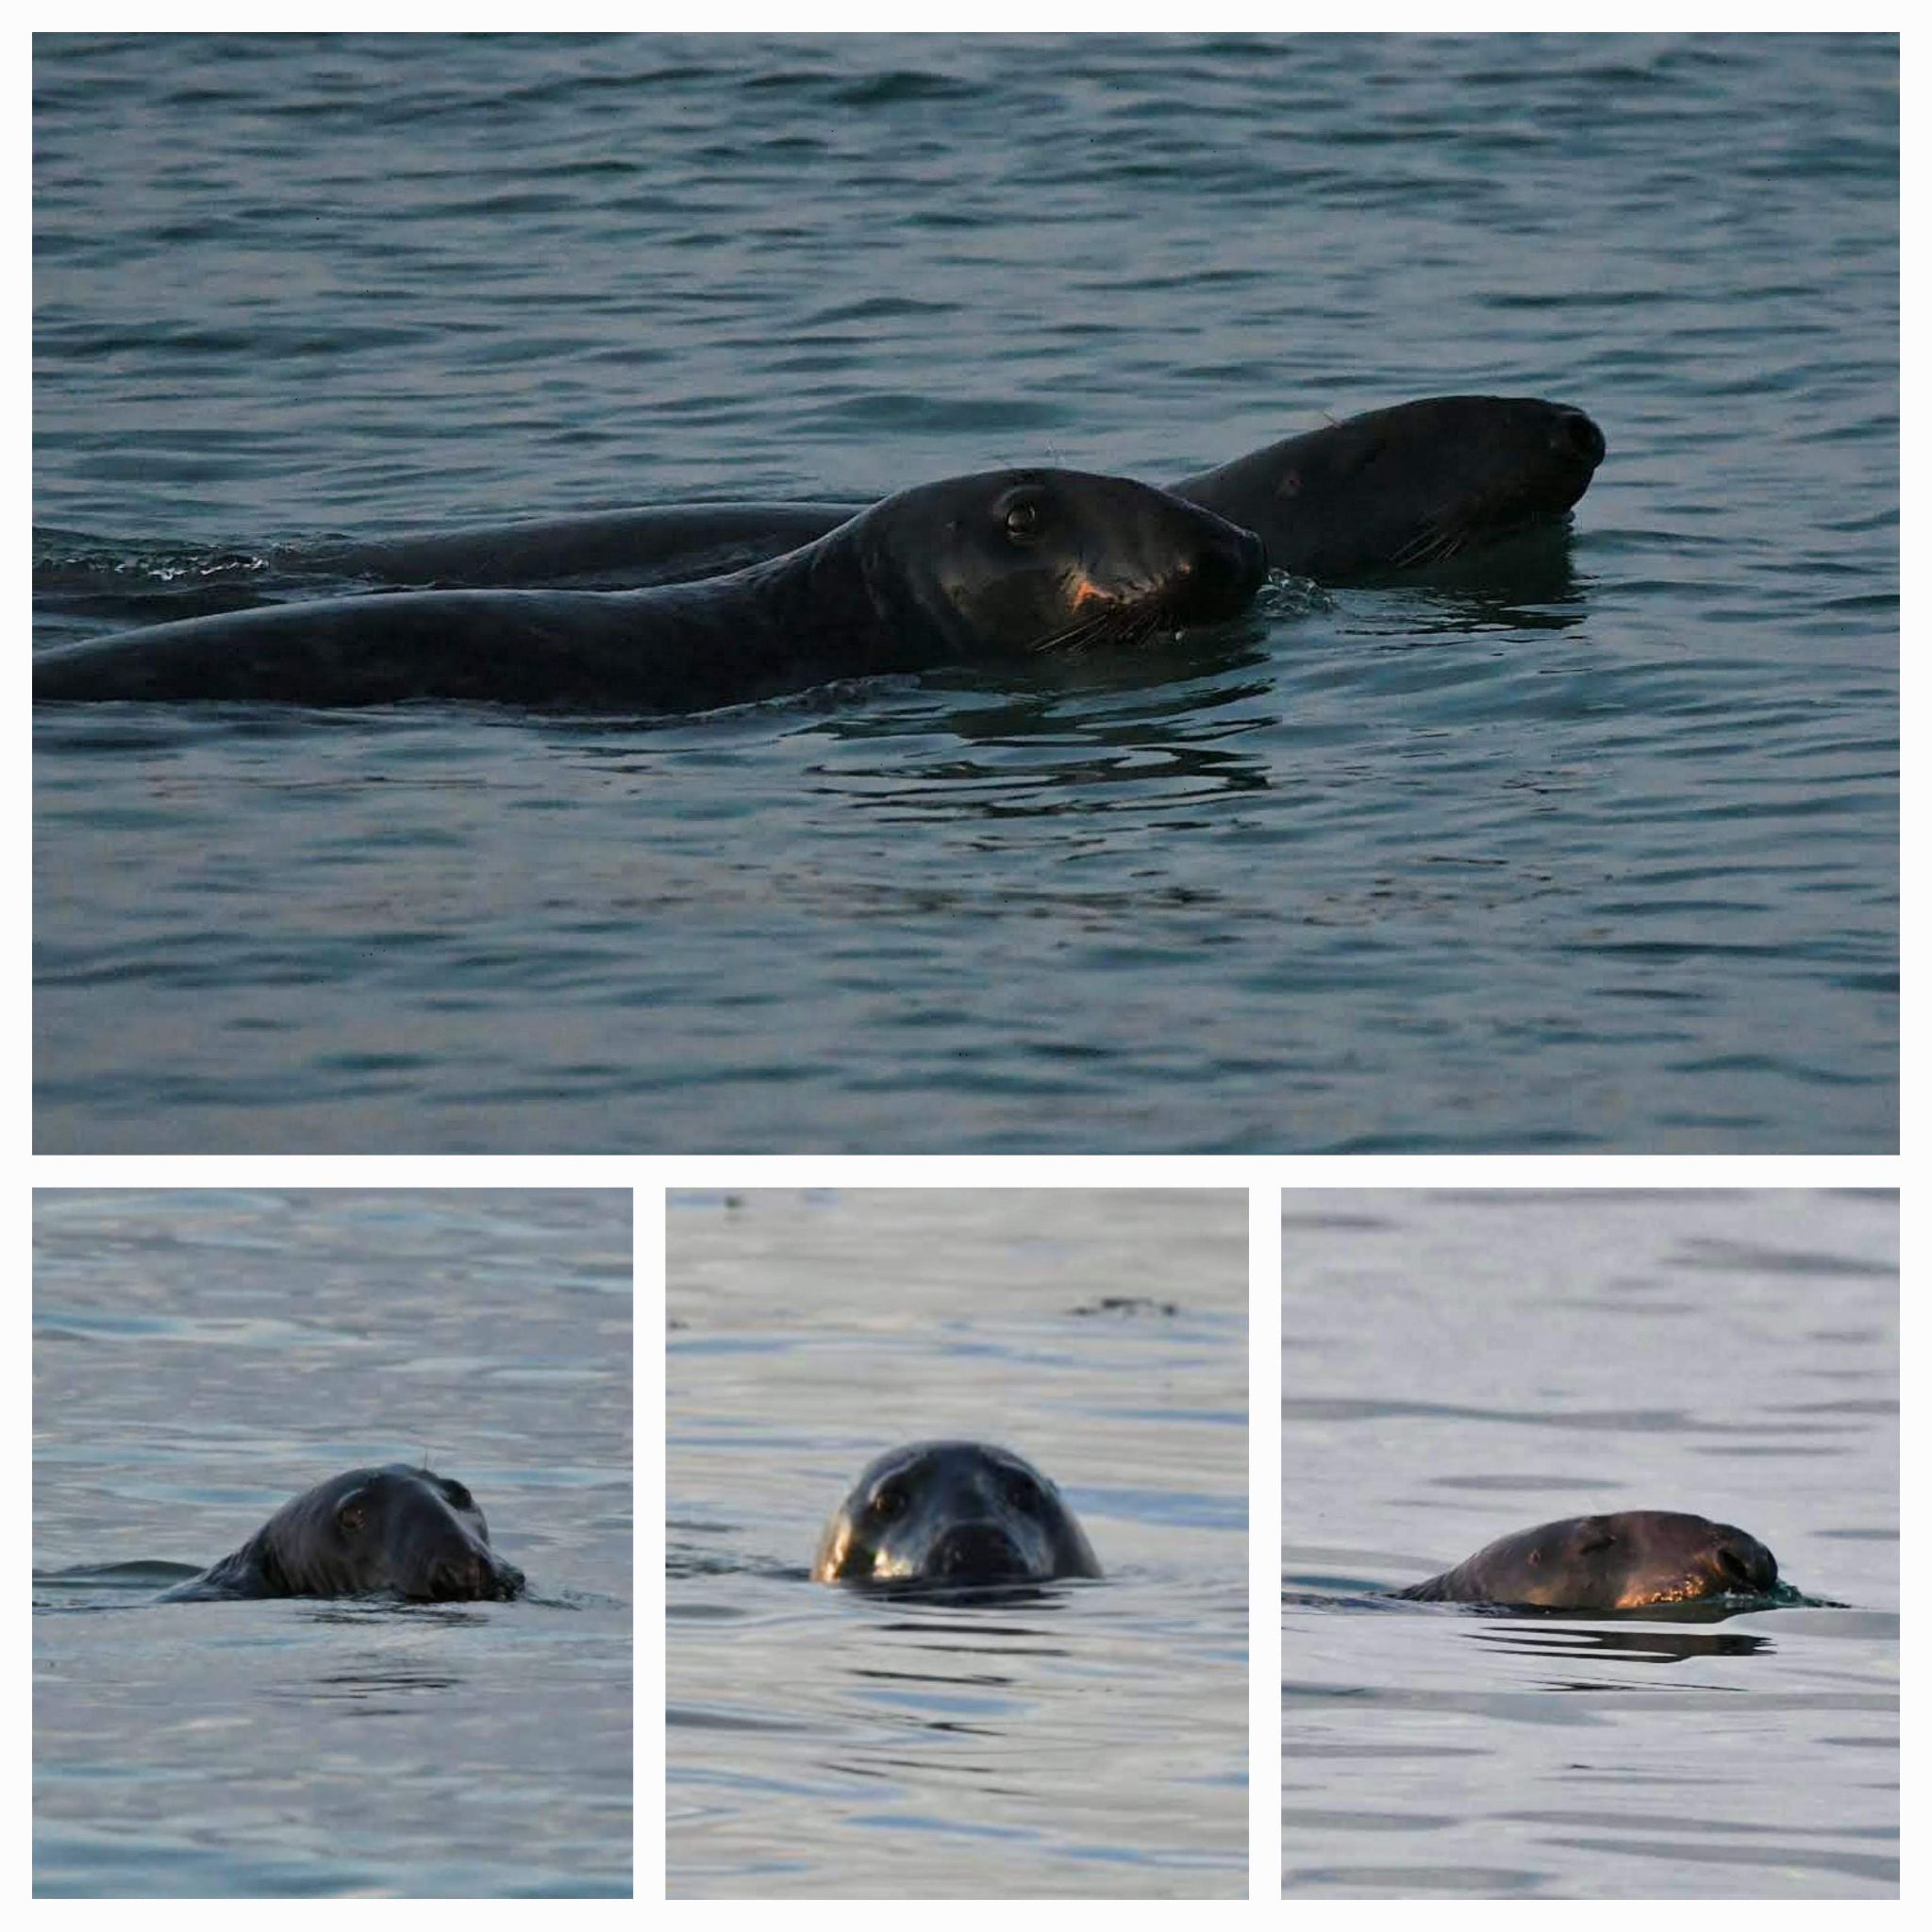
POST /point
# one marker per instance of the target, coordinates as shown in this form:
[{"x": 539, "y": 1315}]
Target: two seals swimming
[
  {"x": 1629, "y": 1560},
  {"x": 367, "y": 1531},
  {"x": 975, "y": 569},
  {"x": 952, "y": 1513},
  {"x": 998, "y": 565}
]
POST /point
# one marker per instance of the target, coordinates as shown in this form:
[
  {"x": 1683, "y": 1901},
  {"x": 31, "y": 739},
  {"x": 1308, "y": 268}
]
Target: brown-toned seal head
[
  {"x": 364, "y": 1532},
  {"x": 1625, "y": 1561},
  {"x": 952, "y": 1513}
]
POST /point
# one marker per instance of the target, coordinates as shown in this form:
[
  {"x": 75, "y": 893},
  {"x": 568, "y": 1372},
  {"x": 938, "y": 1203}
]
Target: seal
[
  {"x": 364, "y": 1532},
  {"x": 1626, "y": 1561},
  {"x": 990, "y": 567},
  {"x": 1384, "y": 494},
  {"x": 952, "y": 1513}
]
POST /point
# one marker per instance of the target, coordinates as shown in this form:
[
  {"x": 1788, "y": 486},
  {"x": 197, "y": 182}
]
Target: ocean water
[
  {"x": 1455, "y": 1367},
  {"x": 1598, "y": 855},
  {"x": 1088, "y": 1739},
  {"x": 201, "y": 1357}
]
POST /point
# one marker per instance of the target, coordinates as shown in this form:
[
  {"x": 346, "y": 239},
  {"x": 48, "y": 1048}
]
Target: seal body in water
[
  {"x": 975, "y": 569},
  {"x": 1625, "y": 1561},
  {"x": 952, "y": 1513},
  {"x": 362, "y": 1533},
  {"x": 1378, "y": 495}
]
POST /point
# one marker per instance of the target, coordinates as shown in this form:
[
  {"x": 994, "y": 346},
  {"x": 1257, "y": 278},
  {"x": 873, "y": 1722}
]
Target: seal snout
[
  {"x": 1220, "y": 577},
  {"x": 1576, "y": 435},
  {"x": 466, "y": 1574},
  {"x": 1745, "y": 1564},
  {"x": 979, "y": 1551}
]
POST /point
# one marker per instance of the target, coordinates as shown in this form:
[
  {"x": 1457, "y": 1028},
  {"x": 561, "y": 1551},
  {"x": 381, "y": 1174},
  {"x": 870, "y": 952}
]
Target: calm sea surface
[
  {"x": 1603, "y": 857},
  {"x": 200, "y": 1359},
  {"x": 1090, "y": 1741},
  {"x": 1458, "y": 1367}
]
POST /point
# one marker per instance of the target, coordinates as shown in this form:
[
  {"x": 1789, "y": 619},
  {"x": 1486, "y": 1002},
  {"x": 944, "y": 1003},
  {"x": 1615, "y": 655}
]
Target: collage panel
[
  {"x": 981, "y": 594},
  {"x": 1591, "y": 1544},
  {"x": 957, "y": 1544},
  {"x": 332, "y": 1543}
]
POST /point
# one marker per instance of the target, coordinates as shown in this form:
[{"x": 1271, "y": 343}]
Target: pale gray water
[
  {"x": 1455, "y": 1367},
  {"x": 199, "y": 1358},
  {"x": 826, "y": 1742}
]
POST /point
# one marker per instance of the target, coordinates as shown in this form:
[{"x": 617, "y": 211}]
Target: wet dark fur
[
  {"x": 1623, "y": 1561},
  {"x": 952, "y": 1513},
  {"x": 366, "y": 1532}
]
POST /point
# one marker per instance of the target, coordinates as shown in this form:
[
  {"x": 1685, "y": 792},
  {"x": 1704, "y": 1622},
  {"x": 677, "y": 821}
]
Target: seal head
[
  {"x": 1054, "y": 559},
  {"x": 367, "y": 1531},
  {"x": 952, "y": 1513},
  {"x": 1409, "y": 488},
  {"x": 1629, "y": 1560}
]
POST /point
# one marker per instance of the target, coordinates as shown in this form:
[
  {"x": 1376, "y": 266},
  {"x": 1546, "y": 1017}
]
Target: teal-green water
[{"x": 1604, "y": 858}]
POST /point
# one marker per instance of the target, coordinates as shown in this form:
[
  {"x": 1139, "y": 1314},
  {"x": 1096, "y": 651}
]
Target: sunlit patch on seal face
[{"x": 952, "y": 1513}]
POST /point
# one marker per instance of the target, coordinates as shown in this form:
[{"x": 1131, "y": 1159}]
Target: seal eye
[
  {"x": 1022, "y": 1492},
  {"x": 886, "y": 1503},
  {"x": 1023, "y": 519},
  {"x": 351, "y": 1516},
  {"x": 457, "y": 1495}
]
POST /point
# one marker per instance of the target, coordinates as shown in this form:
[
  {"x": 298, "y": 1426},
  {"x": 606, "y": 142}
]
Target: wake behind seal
[
  {"x": 952, "y": 1513},
  {"x": 1632, "y": 1559},
  {"x": 409, "y": 1532},
  {"x": 997, "y": 566}
]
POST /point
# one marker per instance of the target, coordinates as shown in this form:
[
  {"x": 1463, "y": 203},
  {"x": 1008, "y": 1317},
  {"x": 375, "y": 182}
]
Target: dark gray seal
[
  {"x": 952, "y": 1513},
  {"x": 984, "y": 568},
  {"x": 1406, "y": 489},
  {"x": 1625, "y": 1561},
  {"x": 1381, "y": 495},
  {"x": 408, "y": 1531}
]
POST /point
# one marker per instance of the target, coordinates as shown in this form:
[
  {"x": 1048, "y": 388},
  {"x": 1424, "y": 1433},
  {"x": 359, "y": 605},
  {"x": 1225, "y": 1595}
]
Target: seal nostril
[
  {"x": 1748, "y": 1565},
  {"x": 976, "y": 1550},
  {"x": 1578, "y": 435}
]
